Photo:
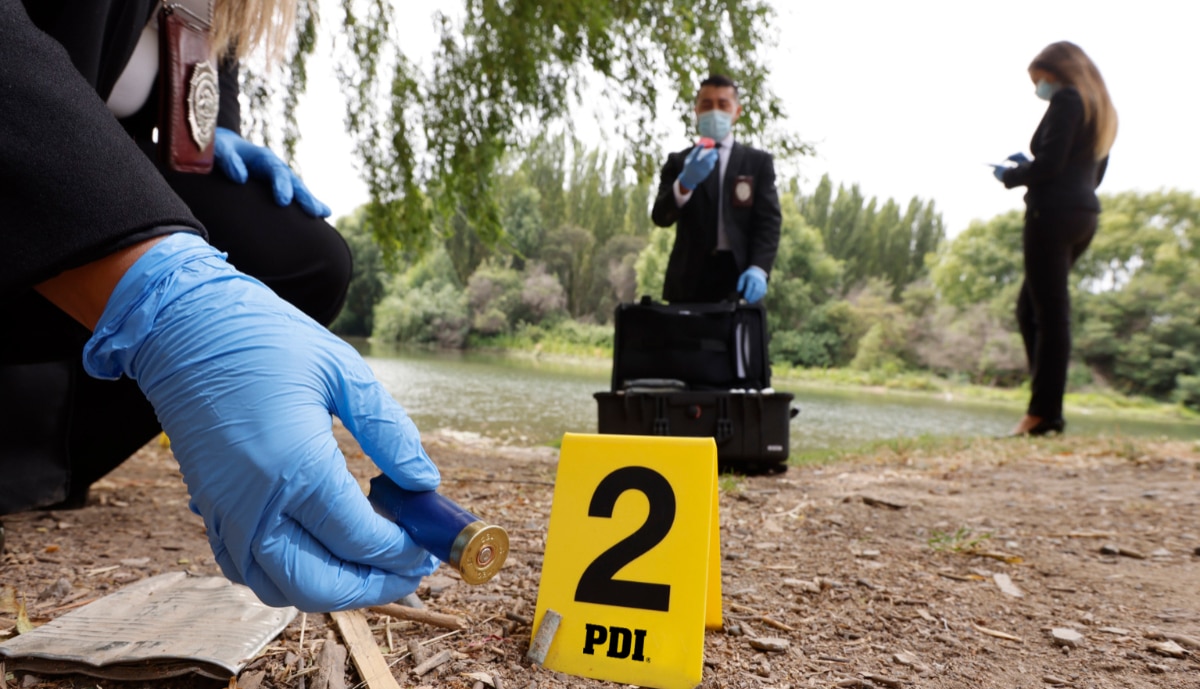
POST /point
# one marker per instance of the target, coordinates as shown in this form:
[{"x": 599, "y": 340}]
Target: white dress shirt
[
  {"x": 133, "y": 87},
  {"x": 723, "y": 149}
]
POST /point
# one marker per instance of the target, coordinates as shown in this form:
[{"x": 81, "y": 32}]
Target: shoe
[{"x": 1043, "y": 427}]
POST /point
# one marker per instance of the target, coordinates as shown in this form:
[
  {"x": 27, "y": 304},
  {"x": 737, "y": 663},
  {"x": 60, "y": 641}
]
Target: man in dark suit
[{"x": 724, "y": 202}]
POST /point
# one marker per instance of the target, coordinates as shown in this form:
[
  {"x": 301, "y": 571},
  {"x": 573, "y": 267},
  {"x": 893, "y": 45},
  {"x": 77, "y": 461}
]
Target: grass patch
[
  {"x": 963, "y": 540},
  {"x": 731, "y": 483}
]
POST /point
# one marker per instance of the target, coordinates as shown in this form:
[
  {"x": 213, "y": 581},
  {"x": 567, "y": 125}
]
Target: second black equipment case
[{"x": 719, "y": 346}]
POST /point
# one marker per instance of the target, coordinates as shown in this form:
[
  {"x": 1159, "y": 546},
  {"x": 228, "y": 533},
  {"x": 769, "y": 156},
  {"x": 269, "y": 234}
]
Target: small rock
[
  {"x": 136, "y": 561},
  {"x": 1066, "y": 637},
  {"x": 1118, "y": 631},
  {"x": 1161, "y": 552},
  {"x": 803, "y": 586},
  {"x": 1052, "y": 680},
  {"x": 910, "y": 659},
  {"x": 1124, "y": 552},
  {"x": 56, "y": 591},
  {"x": 1196, "y": 551},
  {"x": 1007, "y": 586},
  {"x": 1168, "y": 648},
  {"x": 869, "y": 554},
  {"x": 414, "y": 601},
  {"x": 770, "y": 644},
  {"x": 734, "y": 629},
  {"x": 1157, "y": 669}
]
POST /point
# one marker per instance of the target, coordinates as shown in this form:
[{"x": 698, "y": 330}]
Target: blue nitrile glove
[
  {"x": 1019, "y": 158},
  {"x": 998, "y": 172},
  {"x": 246, "y": 385},
  {"x": 239, "y": 159},
  {"x": 752, "y": 285},
  {"x": 697, "y": 166}
]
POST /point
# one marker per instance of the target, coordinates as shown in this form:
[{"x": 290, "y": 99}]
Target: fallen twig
[
  {"x": 440, "y": 658},
  {"x": 998, "y": 635},
  {"x": 403, "y": 612}
]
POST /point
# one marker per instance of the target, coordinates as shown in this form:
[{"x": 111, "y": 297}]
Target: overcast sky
[{"x": 907, "y": 98}]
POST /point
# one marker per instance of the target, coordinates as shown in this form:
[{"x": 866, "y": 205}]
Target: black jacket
[
  {"x": 752, "y": 229},
  {"x": 74, "y": 186},
  {"x": 1064, "y": 172}
]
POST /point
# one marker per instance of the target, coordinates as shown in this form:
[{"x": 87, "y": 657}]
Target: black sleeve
[
  {"x": 74, "y": 186},
  {"x": 768, "y": 217},
  {"x": 1051, "y": 147},
  {"x": 229, "y": 115},
  {"x": 666, "y": 211}
]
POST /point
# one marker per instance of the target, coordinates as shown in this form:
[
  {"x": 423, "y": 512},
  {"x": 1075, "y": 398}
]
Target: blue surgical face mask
[
  {"x": 1046, "y": 90},
  {"x": 715, "y": 124}
]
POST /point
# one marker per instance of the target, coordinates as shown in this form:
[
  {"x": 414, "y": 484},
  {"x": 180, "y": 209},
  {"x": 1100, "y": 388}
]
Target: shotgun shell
[{"x": 455, "y": 536}]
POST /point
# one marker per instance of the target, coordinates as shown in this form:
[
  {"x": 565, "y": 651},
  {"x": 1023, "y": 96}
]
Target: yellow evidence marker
[{"x": 633, "y": 562}]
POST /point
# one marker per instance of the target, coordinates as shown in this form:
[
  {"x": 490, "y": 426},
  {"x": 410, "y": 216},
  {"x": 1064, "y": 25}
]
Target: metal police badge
[
  {"x": 743, "y": 191},
  {"x": 202, "y": 103}
]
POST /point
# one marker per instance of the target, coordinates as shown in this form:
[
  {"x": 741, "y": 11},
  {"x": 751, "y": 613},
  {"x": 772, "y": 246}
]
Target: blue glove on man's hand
[
  {"x": 246, "y": 386},
  {"x": 697, "y": 166},
  {"x": 752, "y": 285},
  {"x": 239, "y": 159},
  {"x": 1019, "y": 158},
  {"x": 998, "y": 172}
]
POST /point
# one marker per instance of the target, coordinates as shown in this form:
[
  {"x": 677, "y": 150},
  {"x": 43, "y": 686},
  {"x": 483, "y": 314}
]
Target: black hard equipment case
[
  {"x": 751, "y": 428},
  {"x": 698, "y": 370},
  {"x": 719, "y": 346}
]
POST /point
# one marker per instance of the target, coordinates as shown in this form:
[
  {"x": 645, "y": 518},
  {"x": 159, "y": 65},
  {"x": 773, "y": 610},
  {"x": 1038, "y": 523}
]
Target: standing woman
[{"x": 1070, "y": 154}]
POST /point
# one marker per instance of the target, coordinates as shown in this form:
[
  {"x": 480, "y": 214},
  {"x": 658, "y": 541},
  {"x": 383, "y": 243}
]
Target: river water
[{"x": 532, "y": 402}]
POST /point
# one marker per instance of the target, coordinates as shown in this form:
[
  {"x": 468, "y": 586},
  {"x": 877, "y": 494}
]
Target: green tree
[
  {"x": 651, "y": 264},
  {"x": 871, "y": 238},
  {"x": 1138, "y": 316},
  {"x": 367, "y": 280},
  {"x": 983, "y": 262},
  {"x": 502, "y": 70},
  {"x": 424, "y": 305}
]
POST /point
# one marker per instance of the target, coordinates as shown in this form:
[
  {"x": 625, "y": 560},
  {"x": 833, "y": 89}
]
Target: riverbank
[
  {"x": 586, "y": 354},
  {"x": 986, "y": 563}
]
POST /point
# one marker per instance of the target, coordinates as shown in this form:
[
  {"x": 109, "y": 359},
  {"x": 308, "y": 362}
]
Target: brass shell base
[{"x": 479, "y": 552}]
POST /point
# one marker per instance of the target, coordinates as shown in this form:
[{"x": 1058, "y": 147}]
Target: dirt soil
[{"x": 917, "y": 565}]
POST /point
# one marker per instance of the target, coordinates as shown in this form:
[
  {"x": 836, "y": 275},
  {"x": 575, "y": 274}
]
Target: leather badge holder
[
  {"x": 742, "y": 193},
  {"x": 189, "y": 94}
]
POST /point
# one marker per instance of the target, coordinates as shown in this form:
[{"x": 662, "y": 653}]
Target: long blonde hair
[
  {"x": 240, "y": 26},
  {"x": 1073, "y": 67}
]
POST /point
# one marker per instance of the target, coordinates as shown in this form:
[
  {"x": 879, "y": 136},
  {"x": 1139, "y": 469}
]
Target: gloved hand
[
  {"x": 998, "y": 172},
  {"x": 752, "y": 285},
  {"x": 239, "y": 159},
  {"x": 1019, "y": 158},
  {"x": 245, "y": 386},
  {"x": 697, "y": 166}
]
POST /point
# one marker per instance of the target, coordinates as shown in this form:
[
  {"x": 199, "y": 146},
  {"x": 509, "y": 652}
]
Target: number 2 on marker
[{"x": 597, "y": 584}]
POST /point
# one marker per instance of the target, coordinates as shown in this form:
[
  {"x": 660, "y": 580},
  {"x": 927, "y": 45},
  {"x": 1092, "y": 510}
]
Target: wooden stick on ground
[
  {"x": 441, "y": 658},
  {"x": 998, "y": 635},
  {"x": 403, "y": 612},
  {"x": 363, "y": 650}
]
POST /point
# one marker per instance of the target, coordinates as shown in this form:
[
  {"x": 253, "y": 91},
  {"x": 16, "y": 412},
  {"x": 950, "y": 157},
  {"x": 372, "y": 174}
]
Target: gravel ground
[{"x": 972, "y": 563}]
